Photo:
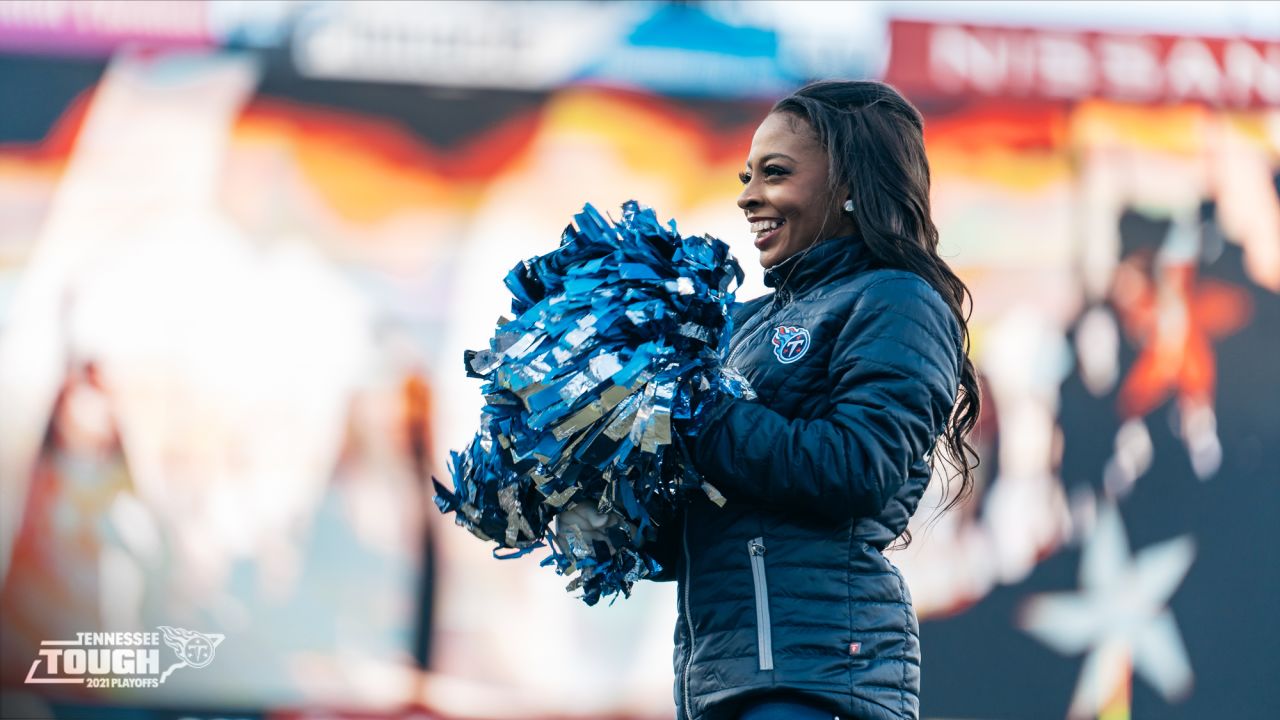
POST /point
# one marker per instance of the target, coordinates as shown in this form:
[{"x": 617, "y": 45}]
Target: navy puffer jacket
[{"x": 784, "y": 591}]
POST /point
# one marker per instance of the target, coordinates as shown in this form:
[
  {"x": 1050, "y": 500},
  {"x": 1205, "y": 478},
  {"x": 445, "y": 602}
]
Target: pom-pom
[{"x": 618, "y": 334}]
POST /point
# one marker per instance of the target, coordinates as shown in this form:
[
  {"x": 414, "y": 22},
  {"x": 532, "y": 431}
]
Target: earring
[{"x": 848, "y": 205}]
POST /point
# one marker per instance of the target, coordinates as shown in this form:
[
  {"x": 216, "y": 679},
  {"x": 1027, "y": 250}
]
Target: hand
[{"x": 578, "y": 527}]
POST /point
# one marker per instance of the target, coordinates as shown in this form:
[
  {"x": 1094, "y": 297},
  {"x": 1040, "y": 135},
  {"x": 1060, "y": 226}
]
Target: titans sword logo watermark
[{"x": 120, "y": 659}]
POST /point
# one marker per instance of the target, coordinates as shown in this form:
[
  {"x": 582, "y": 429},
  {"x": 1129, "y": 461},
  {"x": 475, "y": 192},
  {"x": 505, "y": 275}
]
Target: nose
[{"x": 749, "y": 197}]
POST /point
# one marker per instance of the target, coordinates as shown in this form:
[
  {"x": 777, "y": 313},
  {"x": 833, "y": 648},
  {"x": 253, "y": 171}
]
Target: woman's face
[{"x": 785, "y": 193}]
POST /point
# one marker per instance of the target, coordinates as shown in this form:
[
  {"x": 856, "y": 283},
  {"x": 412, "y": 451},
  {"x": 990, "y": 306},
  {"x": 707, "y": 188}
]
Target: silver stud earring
[{"x": 848, "y": 206}]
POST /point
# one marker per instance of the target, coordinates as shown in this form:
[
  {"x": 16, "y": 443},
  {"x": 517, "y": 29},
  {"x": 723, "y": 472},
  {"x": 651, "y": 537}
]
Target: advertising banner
[{"x": 959, "y": 60}]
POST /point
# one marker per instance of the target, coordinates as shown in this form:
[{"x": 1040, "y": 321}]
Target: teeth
[{"x": 760, "y": 226}]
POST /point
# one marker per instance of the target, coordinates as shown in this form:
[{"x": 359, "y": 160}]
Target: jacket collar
[{"x": 828, "y": 260}]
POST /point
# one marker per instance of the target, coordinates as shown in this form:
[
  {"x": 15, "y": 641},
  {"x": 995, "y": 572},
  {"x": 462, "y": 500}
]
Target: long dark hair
[{"x": 875, "y": 145}]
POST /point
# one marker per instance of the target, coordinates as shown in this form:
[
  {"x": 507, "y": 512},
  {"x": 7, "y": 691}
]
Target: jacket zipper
[
  {"x": 688, "y": 617},
  {"x": 764, "y": 631}
]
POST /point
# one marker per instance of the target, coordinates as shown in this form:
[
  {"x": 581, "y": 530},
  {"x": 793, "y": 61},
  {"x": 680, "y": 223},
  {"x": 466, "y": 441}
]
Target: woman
[{"x": 788, "y": 608}]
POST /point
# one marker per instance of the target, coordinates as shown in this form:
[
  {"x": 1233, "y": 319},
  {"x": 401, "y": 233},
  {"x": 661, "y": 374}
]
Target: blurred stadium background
[{"x": 244, "y": 244}]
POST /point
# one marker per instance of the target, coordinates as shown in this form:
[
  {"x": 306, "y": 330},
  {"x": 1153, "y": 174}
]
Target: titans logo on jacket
[{"x": 790, "y": 343}]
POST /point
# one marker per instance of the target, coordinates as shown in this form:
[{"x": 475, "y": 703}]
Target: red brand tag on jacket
[{"x": 854, "y": 648}]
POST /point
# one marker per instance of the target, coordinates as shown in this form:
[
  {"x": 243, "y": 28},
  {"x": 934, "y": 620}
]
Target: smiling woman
[{"x": 788, "y": 608}]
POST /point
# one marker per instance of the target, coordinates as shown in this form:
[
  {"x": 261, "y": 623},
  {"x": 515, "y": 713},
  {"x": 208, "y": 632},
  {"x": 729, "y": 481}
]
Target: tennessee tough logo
[{"x": 790, "y": 342}]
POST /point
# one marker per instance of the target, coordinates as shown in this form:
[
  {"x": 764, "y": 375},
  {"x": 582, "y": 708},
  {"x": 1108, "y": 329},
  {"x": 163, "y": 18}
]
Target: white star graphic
[{"x": 1119, "y": 616}]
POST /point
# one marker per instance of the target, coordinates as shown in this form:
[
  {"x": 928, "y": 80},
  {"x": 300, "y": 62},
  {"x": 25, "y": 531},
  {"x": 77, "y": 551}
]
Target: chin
[
  {"x": 774, "y": 257},
  {"x": 770, "y": 259}
]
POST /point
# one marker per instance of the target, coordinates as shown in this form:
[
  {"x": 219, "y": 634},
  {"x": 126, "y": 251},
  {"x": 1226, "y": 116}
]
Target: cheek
[
  {"x": 824, "y": 209},
  {"x": 791, "y": 204}
]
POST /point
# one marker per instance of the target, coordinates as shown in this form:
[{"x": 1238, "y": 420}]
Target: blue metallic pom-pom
[{"x": 619, "y": 334}]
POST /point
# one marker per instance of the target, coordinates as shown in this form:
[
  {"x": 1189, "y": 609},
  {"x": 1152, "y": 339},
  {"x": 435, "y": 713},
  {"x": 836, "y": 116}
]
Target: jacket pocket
[{"x": 764, "y": 631}]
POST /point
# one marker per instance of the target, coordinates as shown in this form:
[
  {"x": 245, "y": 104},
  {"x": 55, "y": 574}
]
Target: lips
[{"x": 766, "y": 230}]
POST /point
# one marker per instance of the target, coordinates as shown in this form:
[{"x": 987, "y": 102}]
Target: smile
[{"x": 765, "y": 230}]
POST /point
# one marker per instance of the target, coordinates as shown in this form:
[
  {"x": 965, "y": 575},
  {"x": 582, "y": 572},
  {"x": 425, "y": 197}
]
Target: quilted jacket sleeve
[
  {"x": 666, "y": 549},
  {"x": 895, "y": 374}
]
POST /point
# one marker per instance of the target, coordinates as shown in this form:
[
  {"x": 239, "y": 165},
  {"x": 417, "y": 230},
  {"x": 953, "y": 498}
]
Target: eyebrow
[{"x": 771, "y": 156}]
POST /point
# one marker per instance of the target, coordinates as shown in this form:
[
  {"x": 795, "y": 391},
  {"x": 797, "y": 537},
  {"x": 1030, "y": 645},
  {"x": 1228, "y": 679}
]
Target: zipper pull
[{"x": 756, "y": 547}]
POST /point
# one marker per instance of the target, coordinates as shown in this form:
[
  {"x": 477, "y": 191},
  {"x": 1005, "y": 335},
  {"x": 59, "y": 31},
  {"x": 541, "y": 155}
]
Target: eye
[
  {"x": 744, "y": 177},
  {"x": 775, "y": 171}
]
